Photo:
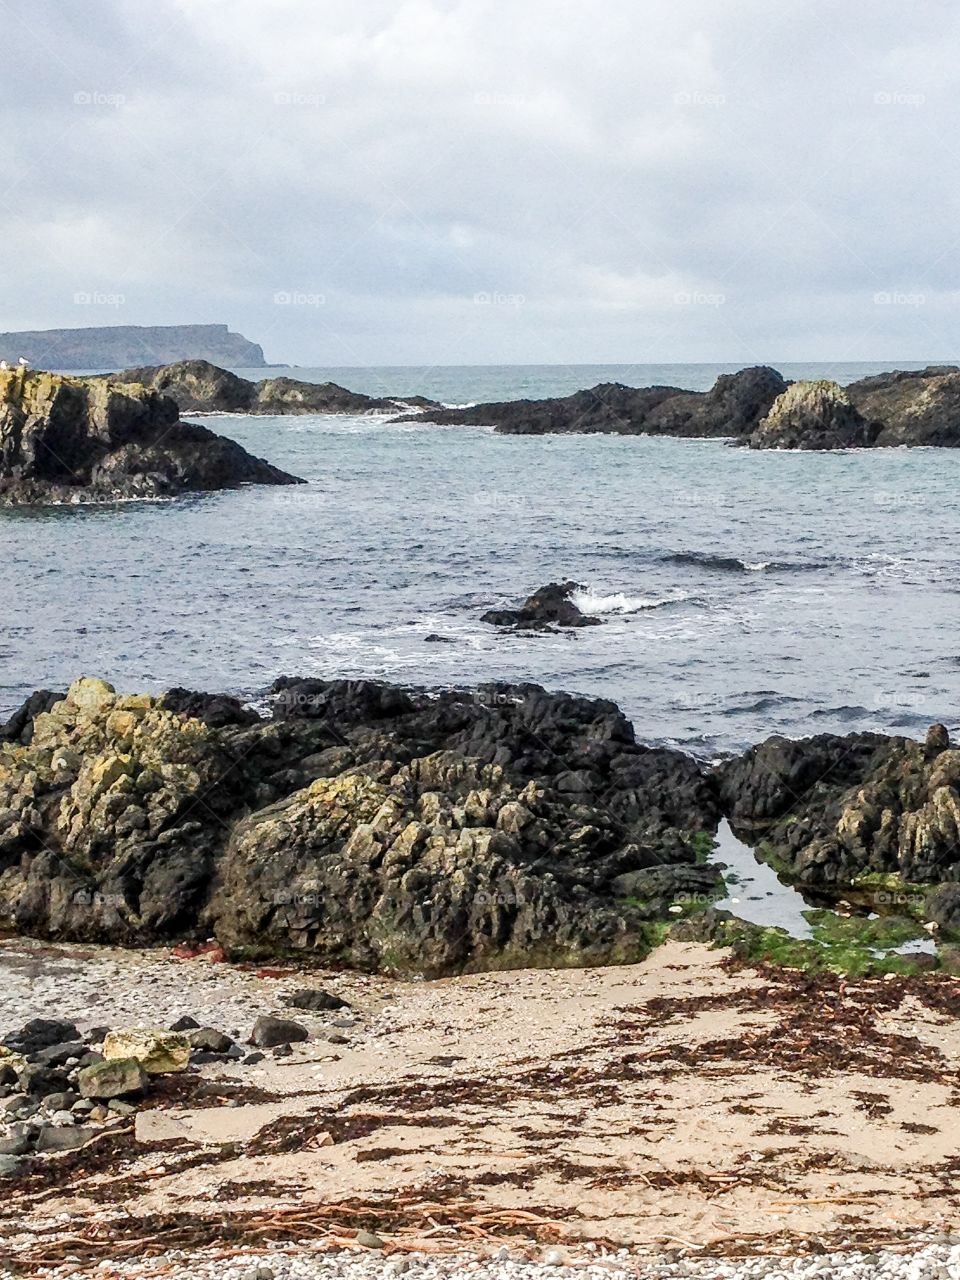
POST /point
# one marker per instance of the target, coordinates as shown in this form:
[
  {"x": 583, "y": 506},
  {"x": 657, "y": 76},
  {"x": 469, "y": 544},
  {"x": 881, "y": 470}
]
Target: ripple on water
[{"x": 718, "y": 572}]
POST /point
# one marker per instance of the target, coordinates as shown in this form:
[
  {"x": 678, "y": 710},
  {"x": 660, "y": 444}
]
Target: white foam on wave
[
  {"x": 618, "y": 602},
  {"x": 758, "y": 567}
]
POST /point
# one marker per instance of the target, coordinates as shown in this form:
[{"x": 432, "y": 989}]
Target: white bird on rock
[{"x": 24, "y": 364}]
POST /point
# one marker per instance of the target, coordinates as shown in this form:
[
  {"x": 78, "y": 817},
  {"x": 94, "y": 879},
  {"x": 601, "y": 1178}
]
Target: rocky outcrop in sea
[
  {"x": 200, "y": 387},
  {"x": 755, "y": 407},
  {"x": 74, "y": 440},
  {"x": 814, "y": 415},
  {"x": 913, "y": 407},
  {"x": 546, "y": 609},
  {"x": 733, "y": 407}
]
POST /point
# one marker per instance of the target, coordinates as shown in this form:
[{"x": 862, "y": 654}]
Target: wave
[
  {"x": 618, "y": 602},
  {"x": 845, "y": 714},
  {"x": 733, "y": 564},
  {"x": 766, "y": 701}
]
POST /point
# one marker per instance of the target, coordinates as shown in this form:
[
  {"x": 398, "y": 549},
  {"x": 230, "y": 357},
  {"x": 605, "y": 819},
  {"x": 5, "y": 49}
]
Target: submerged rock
[
  {"x": 814, "y": 415},
  {"x": 551, "y": 606},
  {"x": 73, "y": 440},
  {"x": 198, "y": 386}
]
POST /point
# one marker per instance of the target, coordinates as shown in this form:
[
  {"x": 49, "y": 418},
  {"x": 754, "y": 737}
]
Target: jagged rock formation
[
  {"x": 395, "y": 829},
  {"x": 550, "y": 607},
  {"x": 733, "y": 407},
  {"x": 913, "y": 408},
  {"x": 364, "y": 824},
  {"x": 755, "y": 406},
  {"x": 814, "y": 415},
  {"x": 67, "y": 440},
  {"x": 832, "y": 810},
  {"x": 112, "y": 346},
  {"x": 198, "y": 386}
]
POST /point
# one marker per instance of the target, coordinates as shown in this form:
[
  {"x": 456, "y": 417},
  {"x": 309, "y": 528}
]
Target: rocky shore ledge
[
  {"x": 75, "y": 440},
  {"x": 413, "y": 832},
  {"x": 755, "y": 407}
]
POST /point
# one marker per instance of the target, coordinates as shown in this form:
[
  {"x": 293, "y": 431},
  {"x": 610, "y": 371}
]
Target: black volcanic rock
[
  {"x": 913, "y": 408},
  {"x": 609, "y": 408},
  {"x": 814, "y": 415},
  {"x": 200, "y": 387},
  {"x": 73, "y": 440},
  {"x": 733, "y": 407},
  {"x": 364, "y": 824},
  {"x": 835, "y": 812},
  {"x": 551, "y": 606}
]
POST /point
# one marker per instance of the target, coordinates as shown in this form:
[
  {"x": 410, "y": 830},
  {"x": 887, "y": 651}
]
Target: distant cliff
[{"x": 117, "y": 346}]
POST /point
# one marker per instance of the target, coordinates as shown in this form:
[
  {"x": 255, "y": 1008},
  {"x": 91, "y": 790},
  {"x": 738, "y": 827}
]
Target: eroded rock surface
[
  {"x": 365, "y": 824},
  {"x": 549, "y": 607},
  {"x": 862, "y": 809},
  {"x": 814, "y": 415},
  {"x": 733, "y": 407},
  {"x": 68, "y": 440},
  {"x": 198, "y": 386},
  {"x": 913, "y": 408}
]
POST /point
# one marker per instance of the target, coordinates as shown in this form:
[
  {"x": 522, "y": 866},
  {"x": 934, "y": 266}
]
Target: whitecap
[{"x": 618, "y": 602}]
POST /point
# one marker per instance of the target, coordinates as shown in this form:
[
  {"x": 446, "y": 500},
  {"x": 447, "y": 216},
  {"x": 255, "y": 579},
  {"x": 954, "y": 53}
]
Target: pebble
[{"x": 927, "y": 1261}]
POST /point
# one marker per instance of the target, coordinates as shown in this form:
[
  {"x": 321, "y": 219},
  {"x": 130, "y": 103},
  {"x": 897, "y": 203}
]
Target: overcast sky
[{"x": 476, "y": 181}]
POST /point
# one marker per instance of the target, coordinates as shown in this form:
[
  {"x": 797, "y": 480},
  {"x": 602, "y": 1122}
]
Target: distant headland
[{"x": 119, "y": 346}]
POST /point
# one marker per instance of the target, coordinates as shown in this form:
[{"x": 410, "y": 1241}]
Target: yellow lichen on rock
[{"x": 159, "y": 1052}]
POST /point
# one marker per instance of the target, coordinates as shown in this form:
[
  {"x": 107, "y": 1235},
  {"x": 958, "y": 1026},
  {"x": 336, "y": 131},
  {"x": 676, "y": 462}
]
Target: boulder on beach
[
  {"x": 159, "y": 1052},
  {"x": 116, "y": 1079},
  {"x": 74, "y": 440},
  {"x": 814, "y": 415},
  {"x": 269, "y": 1032},
  {"x": 549, "y": 607}
]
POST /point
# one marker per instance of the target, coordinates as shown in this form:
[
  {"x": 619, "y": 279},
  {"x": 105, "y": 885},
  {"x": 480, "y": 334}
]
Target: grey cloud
[{"x": 610, "y": 173}]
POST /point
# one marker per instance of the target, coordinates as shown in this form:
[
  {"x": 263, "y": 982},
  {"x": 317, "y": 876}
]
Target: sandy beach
[{"x": 685, "y": 1106}]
